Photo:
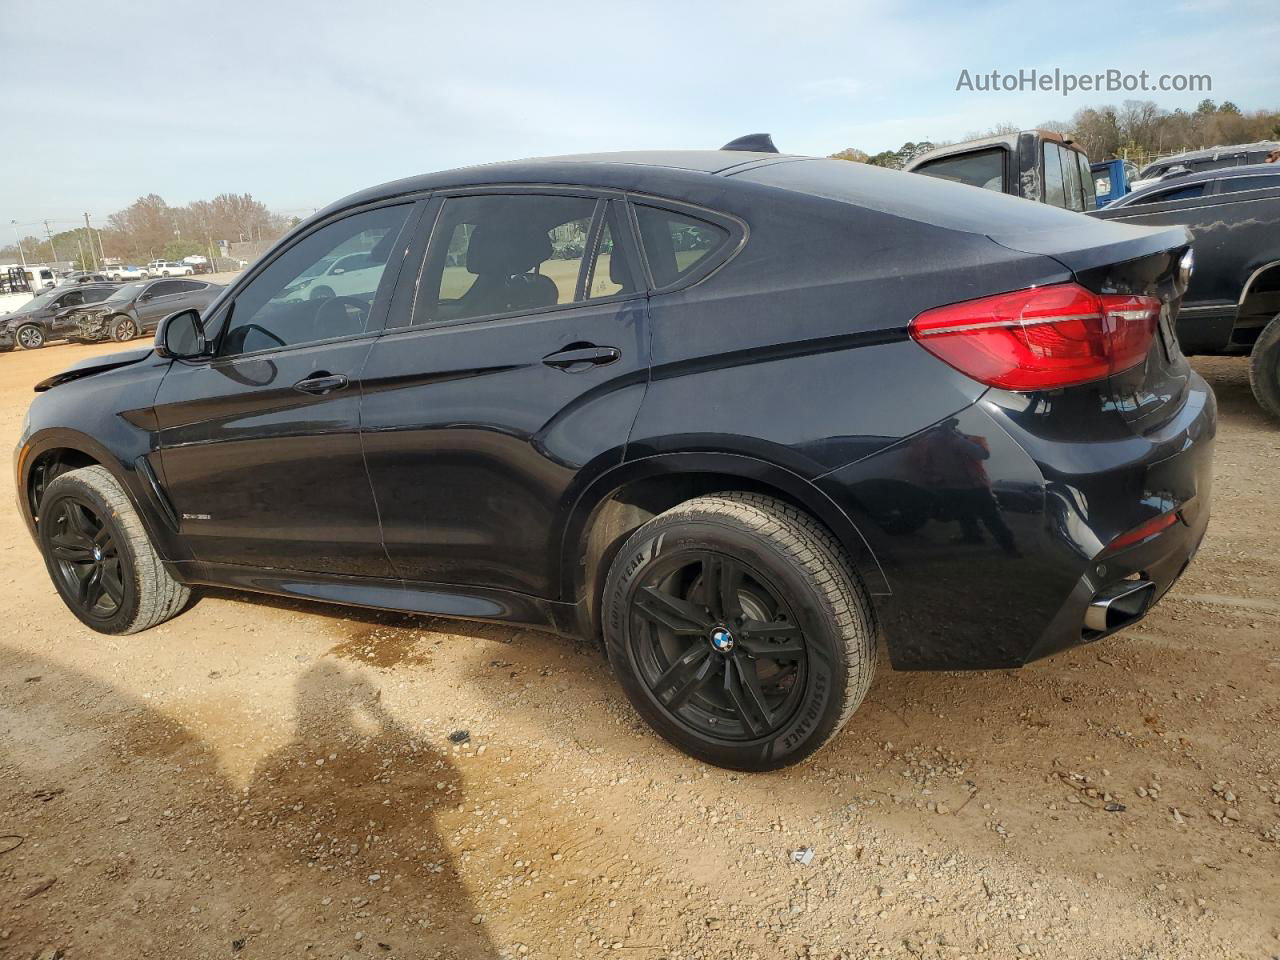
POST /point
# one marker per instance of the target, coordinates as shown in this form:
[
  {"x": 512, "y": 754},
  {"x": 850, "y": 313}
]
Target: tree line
[
  {"x": 1137, "y": 130},
  {"x": 149, "y": 229}
]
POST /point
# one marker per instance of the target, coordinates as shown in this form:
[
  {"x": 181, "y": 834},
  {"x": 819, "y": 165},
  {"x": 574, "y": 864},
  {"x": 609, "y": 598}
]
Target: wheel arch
[
  {"x": 619, "y": 501},
  {"x": 1260, "y": 297},
  {"x": 51, "y": 452}
]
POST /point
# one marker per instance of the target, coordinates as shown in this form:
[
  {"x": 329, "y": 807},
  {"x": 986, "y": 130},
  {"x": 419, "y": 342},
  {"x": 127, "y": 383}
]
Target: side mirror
[{"x": 180, "y": 336}]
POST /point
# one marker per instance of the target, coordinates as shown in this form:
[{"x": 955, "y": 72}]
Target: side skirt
[{"x": 430, "y": 599}]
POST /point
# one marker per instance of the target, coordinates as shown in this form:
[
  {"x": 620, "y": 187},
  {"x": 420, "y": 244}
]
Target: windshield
[
  {"x": 127, "y": 292},
  {"x": 35, "y": 303}
]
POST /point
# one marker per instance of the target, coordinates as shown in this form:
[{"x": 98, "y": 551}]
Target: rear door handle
[
  {"x": 577, "y": 359},
  {"x": 321, "y": 383}
]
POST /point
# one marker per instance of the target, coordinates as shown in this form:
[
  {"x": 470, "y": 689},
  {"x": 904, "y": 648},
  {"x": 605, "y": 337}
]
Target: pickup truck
[
  {"x": 1112, "y": 179},
  {"x": 1232, "y": 303},
  {"x": 1034, "y": 164},
  {"x": 169, "y": 268}
]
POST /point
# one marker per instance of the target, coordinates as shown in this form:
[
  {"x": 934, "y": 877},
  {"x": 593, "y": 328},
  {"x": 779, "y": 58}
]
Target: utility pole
[
  {"x": 89, "y": 228},
  {"x": 21, "y": 253},
  {"x": 49, "y": 234},
  {"x": 83, "y": 261}
]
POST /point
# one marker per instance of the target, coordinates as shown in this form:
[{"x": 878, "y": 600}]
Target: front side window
[
  {"x": 290, "y": 303},
  {"x": 500, "y": 253},
  {"x": 165, "y": 288},
  {"x": 981, "y": 168},
  {"x": 96, "y": 295},
  {"x": 675, "y": 243},
  {"x": 1055, "y": 189}
]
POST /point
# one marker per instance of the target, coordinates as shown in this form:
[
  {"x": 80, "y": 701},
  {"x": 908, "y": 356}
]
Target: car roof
[
  {"x": 1222, "y": 173},
  {"x": 639, "y": 170},
  {"x": 1009, "y": 140},
  {"x": 1212, "y": 152}
]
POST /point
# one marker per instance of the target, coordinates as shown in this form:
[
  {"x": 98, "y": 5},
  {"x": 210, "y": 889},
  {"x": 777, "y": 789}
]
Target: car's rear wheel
[
  {"x": 1264, "y": 368},
  {"x": 99, "y": 556},
  {"x": 30, "y": 337},
  {"x": 738, "y": 630},
  {"x": 123, "y": 328}
]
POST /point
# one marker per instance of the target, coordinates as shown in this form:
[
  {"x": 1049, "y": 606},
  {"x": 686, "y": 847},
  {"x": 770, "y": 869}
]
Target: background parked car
[
  {"x": 83, "y": 276},
  {"x": 121, "y": 272},
  {"x": 1232, "y": 305},
  {"x": 47, "y": 317},
  {"x": 137, "y": 308},
  {"x": 1034, "y": 164},
  {"x": 1202, "y": 161},
  {"x": 169, "y": 268}
]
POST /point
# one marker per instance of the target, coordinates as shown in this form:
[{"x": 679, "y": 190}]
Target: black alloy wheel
[
  {"x": 718, "y": 646},
  {"x": 86, "y": 559}
]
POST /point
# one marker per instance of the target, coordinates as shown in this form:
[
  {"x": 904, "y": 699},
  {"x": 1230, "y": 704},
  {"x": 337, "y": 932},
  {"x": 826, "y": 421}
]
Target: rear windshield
[{"x": 982, "y": 168}]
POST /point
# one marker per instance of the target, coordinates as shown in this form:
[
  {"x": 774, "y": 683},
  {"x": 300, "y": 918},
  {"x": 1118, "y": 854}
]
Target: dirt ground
[{"x": 258, "y": 779}]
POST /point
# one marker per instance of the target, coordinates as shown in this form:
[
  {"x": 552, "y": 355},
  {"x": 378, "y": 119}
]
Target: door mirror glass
[{"x": 181, "y": 336}]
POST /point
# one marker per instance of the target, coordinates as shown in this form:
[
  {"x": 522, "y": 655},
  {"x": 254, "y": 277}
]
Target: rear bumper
[{"x": 995, "y": 562}]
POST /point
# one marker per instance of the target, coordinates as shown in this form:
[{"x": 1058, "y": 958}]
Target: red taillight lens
[
  {"x": 1042, "y": 338},
  {"x": 1140, "y": 533}
]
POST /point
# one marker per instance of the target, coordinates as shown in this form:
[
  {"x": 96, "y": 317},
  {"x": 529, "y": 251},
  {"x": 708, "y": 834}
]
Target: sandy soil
[{"x": 257, "y": 779}]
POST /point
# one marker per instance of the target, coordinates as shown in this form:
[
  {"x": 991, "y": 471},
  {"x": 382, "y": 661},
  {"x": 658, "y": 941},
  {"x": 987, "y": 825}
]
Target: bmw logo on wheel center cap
[{"x": 721, "y": 639}]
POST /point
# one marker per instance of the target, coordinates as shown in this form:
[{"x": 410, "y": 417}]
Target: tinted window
[
  {"x": 97, "y": 294},
  {"x": 983, "y": 168},
  {"x": 187, "y": 286},
  {"x": 499, "y": 254},
  {"x": 675, "y": 243},
  {"x": 1055, "y": 190},
  {"x": 1237, "y": 184},
  {"x": 1086, "y": 180},
  {"x": 70, "y": 299},
  {"x": 287, "y": 303},
  {"x": 164, "y": 288},
  {"x": 611, "y": 273},
  {"x": 1178, "y": 193}
]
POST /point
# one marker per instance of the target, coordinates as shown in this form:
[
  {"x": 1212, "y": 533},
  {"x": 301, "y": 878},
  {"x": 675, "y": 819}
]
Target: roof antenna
[{"x": 752, "y": 143}]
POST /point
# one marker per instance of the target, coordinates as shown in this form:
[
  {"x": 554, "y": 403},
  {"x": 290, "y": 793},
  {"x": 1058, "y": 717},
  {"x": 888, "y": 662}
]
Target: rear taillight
[{"x": 1042, "y": 338}]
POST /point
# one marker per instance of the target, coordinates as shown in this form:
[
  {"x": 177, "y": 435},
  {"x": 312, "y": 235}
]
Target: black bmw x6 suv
[{"x": 738, "y": 414}]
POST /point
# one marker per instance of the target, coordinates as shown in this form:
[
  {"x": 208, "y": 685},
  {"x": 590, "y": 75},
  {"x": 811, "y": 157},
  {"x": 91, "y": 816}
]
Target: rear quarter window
[{"x": 677, "y": 244}]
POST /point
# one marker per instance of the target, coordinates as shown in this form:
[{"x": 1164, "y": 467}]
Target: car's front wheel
[
  {"x": 123, "y": 328},
  {"x": 1264, "y": 368},
  {"x": 30, "y": 337},
  {"x": 739, "y": 631},
  {"x": 99, "y": 555}
]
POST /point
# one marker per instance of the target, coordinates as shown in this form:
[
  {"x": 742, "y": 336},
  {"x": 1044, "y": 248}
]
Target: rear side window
[
  {"x": 676, "y": 243},
  {"x": 1238, "y": 184},
  {"x": 1086, "y": 179},
  {"x": 1055, "y": 188},
  {"x": 497, "y": 254},
  {"x": 982, "y": 168},
  {"x": 1071, "y": 174}
]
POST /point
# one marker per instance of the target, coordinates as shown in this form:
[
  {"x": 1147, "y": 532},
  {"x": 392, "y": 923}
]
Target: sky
[{"x": 302, "y": 102}]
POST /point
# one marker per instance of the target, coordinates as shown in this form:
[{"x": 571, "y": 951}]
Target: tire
[
  {"x": 1264, "y": 368},
  {"x": 29, "y": 337},
  {"x": 123, "y": 329},
  {"x": 88, "y": 529},
  {"x": 694, "y": 656}
]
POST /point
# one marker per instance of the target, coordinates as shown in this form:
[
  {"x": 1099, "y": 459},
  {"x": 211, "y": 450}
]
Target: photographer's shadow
[{"x": 356, "y": 794}]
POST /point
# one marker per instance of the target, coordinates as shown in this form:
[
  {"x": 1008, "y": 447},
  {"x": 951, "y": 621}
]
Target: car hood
[{"x": 87, "y": 368}]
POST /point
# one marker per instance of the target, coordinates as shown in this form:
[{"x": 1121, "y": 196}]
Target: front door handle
[
  {"x": 576, "y": 359},
  {"x": 321, "y": 383}
]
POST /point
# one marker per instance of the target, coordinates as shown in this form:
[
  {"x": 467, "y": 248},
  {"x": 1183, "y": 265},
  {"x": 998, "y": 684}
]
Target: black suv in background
[
  {"x": 48, "y": 316},
  {"x": 137, "y": 308},
  {"x": 1232, "y": 305},
  {"x": 734, "y": 413}
]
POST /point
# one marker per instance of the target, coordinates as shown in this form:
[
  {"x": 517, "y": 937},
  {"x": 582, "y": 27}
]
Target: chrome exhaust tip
[{"x": 1119, "y": 605}]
